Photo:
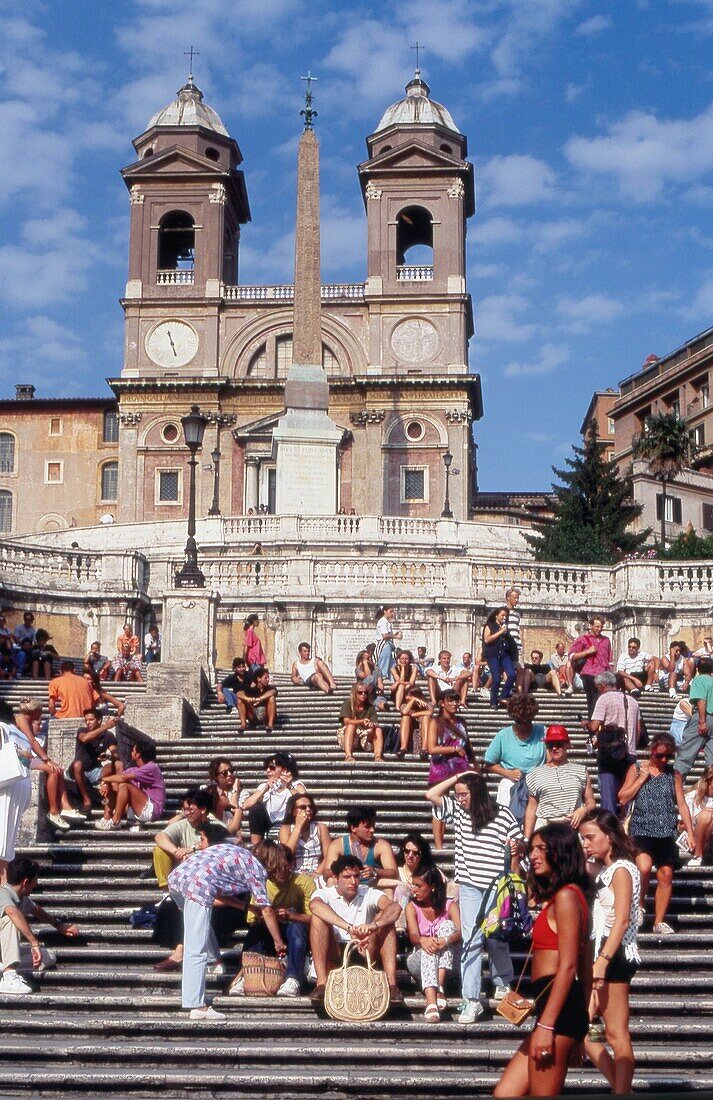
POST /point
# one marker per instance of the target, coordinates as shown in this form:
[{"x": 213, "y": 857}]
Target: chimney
[{"x": 24, "y": 392}]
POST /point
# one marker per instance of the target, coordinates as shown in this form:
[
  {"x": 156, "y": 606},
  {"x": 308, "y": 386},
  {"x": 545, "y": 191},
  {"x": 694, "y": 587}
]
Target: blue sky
[{"x": 590, "y": 124}]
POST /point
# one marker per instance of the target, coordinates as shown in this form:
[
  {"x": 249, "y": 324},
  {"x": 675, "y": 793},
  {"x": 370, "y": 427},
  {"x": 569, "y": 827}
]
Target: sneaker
[
  {"x": 237, "y": 989},
  {"x": 218, "y": 970},
  {"x": 635, "y": 693},
  {"x": 57, "y": 823},
  {"x": 13, "y": 985},
  {"x": 695, "y": 861},
  {"x": 672, "y": 693},
  {"x": 206, "y": 1014},
  {"x": 649, "y": 687},
  {"x": 469, "y": 1012},
  {"x": 107, "y": 824},
  {"x": 289, "y": 988},
  {"x": 567, "y": 690},
  {"x": 72, "y": 815},
  {"x": 663, "y": 929},
  {"x": 640, "y": 918},
  {"x": 501, "y": 992}
]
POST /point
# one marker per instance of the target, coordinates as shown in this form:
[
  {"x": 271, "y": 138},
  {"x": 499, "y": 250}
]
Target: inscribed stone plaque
[{"x": 306, "y": 479}]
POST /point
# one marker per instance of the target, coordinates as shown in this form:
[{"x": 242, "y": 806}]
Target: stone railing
[
  {"x": 414, "y": 273},
  {"x": 285, "y": 292},
  {"x": 38, "y": 568},
  {"x": 360, "y": 529},
  {"x": 175, "y": 278}
]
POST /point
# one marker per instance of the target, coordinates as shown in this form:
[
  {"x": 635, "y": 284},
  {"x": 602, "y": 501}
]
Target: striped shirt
[
  {"x": 559, "y": 790},
  {"x": 479, "y": 857},
  {"x": 514, "y": 628}
]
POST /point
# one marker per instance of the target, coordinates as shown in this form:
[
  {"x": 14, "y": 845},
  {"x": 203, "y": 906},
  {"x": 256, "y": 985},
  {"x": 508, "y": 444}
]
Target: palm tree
[{"x": 668, "y": 449}]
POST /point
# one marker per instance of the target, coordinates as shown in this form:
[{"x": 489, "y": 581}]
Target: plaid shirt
[{"x": 222, "y": 869}]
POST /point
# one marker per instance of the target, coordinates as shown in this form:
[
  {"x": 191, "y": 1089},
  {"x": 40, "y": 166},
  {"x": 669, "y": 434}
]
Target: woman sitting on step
[
  {"x": 359, "y": 725},
  {"x": 307, "y": 838},
  {"x": 267, "y": 805},
  {"x": 434, "y": 929}
]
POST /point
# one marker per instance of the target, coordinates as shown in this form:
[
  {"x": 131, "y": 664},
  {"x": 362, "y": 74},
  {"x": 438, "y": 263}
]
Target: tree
[
  {"x": 667, "y": 448},
  {"x": 593, "y": 509}
]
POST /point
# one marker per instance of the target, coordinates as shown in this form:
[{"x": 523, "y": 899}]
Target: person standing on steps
[
  {"x": 386, "y": 635},
  {"x": 497, "y": 650},
  {"x": 253, "y": 653},
  {"x": 589, "y": 655},
  {"x": 698, "y": 730},
  {"x": 216, "y": 873}
]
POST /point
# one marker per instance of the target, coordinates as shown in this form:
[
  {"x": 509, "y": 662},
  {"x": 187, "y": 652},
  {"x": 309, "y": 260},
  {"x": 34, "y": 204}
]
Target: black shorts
[
  {"x": 662, "y": 849},
  {"x": 620, "y": 970},
  {"x": 573, "y": 1020}
]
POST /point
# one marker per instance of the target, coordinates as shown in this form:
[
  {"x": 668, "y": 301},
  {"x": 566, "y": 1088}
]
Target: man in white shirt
[
  {"x": 444, "y": 677},
  {"x": 348, "y": 911},
  {"x": 311, "y": 671},
  {"x": 637, "y": 669},
  {"x": 152, "y": 645}
]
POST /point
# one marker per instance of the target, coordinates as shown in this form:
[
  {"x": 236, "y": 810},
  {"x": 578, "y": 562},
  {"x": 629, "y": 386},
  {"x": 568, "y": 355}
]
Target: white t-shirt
[
  {"x": 152, "y": 643},
  {"x": 383, "y": 628},
  {"x": 695, "y": 810},
  {"x": 630, "y": 665},
  {"x": 361, "y": 910},
  {"x": 437, "y": 671}
]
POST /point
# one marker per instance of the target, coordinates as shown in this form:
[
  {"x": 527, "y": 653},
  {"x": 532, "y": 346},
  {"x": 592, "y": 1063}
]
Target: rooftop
[
  {"x": 417, "y": 108},
  {"x": 188, "y": 109}
]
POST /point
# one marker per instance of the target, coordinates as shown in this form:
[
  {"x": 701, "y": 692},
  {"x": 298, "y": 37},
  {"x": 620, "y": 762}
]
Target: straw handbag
[
  {"x": 263, "y": 974},
  {"x": 356, "y": 993}
]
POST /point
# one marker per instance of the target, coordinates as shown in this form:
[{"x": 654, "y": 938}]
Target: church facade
[{"x": 394, "y": 347}]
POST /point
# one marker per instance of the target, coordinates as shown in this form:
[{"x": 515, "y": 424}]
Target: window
[
  {"x": 611, "y": 426},
  {"x": 257, "y": 367},
  {"x": 284, "y": 355},
  {"x": 110, "y": 433},
  {"x": 708, "y": 517},
  {"x": 176, "y": 242},
  {"x": 414, "y": 485},
  {"x": 169, "y": 433},
  {"x": 7, "y": 453},
  {"x": 414, "y": 237},
  {"x": 705, "y": 394},
  {"x": 673, "y": 404},
  {"x": 110, "y": 481},
  {"x": 699, "y": 435},
  {"x": 168, "y": 486},
  {"x": 55, "y": 425},
  {"x": 5, "y": 511},
  {"x": 329, "y": 360},
  {"x": 415, "y": 431},
  {"x": 673, "y": 508},
  {"x": 54, "y": 473}
]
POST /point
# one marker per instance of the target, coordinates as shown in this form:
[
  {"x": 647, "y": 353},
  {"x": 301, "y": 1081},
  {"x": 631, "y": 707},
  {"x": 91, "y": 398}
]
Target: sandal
[
  {"x": 441, "y": 1001},
  {"x": 432, "y": 1015}
]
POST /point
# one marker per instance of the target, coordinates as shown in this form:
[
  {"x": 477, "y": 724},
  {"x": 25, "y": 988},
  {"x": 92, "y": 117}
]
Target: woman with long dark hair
[
  {"x": 614, "y": 929},
  {"x": 253, "y": 652},
  {"x": 558, "y": 881},
  {"x": 307, "y": 838},
  {"x": 386, "y": 635},
  {"x": 485, "y": 834},
  {"x": 433, "y": 923},
  {"x": 451, "y": 752},
  {"x": 497, "y": 651}
]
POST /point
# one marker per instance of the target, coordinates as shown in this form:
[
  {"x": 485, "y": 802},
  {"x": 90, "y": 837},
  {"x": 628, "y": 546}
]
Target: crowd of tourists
[{"x": 260, "y": 857}]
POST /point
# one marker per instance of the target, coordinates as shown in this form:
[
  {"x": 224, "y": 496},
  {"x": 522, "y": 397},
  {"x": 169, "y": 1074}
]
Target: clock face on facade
[
  {"x": 414, "y": 340},
  {"x": 172, "y": 344}
]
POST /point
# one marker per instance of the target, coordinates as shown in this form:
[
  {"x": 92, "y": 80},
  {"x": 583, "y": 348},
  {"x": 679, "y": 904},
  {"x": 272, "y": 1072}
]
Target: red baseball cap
[{"x": 556, "y": 735}]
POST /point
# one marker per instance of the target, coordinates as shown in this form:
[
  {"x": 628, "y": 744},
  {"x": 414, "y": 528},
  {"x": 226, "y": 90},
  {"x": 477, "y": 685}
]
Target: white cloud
[
  {"x": 549, "y": 359},
  {"x": 499, "y": 319},
  {"x": 524, "y": 25},
  {"x": 493, "y": 231},
  {"x": 644, "y": 153},
  {"x": 595, "y": 25},
  {"x": 701, "y": 308},
  {"x": 549, "y": 236},
  {"x": 516, "y": 180},
  {"x": 50, "y": 264},
  {"x": 574, "y": 91},
  {"x": 582, "y": 314},
  {"x": 45, "y": 350}
]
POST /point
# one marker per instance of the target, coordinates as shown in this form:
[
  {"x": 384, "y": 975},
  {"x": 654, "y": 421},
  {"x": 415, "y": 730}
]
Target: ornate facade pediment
[
  {"x": 414, "y": 152},
  {"x": 173, "y": 162}
]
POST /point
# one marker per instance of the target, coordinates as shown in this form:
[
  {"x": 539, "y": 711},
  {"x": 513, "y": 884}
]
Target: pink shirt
[
  {"x": 254, "y": 653},
  {"x": 600, "y": 661}
]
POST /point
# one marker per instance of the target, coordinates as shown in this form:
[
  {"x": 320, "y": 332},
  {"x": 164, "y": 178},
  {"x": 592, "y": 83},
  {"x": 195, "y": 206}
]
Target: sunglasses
[
  {"x": 663, "y": 755},
  {"x": 271, "y": 768},
  {"x": 226, "y": 771},
  {"x": 411, "y": 852}
]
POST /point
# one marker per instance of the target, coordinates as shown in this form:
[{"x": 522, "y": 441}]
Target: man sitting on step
[
  {"x": 257, "y": 702},
  {"x": 311, "y": 671},
  {"x": 375, "y": 854},
  {"x": 95, "y": 755},
  {"x": 181, "y": 838},
  {"x": 349, "y": 911},
  {"x": 232, "y": 684},
  {"x": 15, "y": 908},
  {"x": 138, "y": 791}
]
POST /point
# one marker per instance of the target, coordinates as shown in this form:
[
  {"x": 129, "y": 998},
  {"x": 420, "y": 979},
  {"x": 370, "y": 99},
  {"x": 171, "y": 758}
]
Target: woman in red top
[
  {"x": 560, "y": 965},
  {"x": 253, "y": 652}
]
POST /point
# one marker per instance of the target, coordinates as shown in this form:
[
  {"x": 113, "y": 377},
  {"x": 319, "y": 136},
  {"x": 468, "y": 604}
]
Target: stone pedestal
[
  {"x": 175, "y": 692},
  {"x": 189, "y": 628},
  {"x": 305, "y": 443}
]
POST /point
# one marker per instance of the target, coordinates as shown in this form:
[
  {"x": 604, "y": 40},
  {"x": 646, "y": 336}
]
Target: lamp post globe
[{"x": 447, "y": 460}]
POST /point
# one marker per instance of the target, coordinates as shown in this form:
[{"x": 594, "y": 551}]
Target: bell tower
[{"x": 188, "y": 201}]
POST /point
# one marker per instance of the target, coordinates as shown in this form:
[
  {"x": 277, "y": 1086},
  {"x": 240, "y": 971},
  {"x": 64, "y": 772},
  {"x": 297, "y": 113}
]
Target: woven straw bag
[
  {"x": 356, "y": 993},
  {"x": 263, "y": 974}
]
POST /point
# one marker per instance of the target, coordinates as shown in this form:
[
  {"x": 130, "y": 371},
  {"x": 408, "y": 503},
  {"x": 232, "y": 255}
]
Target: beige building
[
  {"x": 679, "y": 382},
  {"x": 599, "y": 413},
  {"x": 395, "y": 346}
]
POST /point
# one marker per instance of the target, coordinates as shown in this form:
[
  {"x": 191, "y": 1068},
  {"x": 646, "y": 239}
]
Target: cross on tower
[
  {"x": 191, "y": 54},
  {"x": 308, "y": 113},
  {"x": 418, "y": 47}
]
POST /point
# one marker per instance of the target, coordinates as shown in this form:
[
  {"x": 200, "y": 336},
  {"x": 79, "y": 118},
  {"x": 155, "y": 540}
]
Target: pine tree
[{"x": 593, "y": 509}]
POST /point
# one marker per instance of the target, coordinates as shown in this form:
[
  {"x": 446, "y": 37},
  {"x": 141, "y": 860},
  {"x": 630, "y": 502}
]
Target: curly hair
[
  {"x": 522, "y": 708},
  {"x": 566, "y": 860}
]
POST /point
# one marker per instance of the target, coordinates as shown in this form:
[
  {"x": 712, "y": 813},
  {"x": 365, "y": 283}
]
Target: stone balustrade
[
  {"x": 43, "y": 569},
  {"x": 285, "y": 292},
  {"x": 175, "y": 278}
]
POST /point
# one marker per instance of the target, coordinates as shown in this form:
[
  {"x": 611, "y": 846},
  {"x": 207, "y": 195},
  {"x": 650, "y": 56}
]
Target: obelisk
[{"x": 305, "y": 441}]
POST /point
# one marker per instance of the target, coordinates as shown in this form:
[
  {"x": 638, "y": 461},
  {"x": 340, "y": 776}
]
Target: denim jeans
[
  {"x": 152, "y": 655},
  {"x": 610, "y": 782},
  {"x": 295, "y": 936},
  {"x": 199, "y": 948},
  {"x": 230, "y": 698},
  {"x": 471, "y": 961},
  {"x": 692, "y": 743},
  {"x": 497, "y": 666},
  {"x": 385, "y": 660}
]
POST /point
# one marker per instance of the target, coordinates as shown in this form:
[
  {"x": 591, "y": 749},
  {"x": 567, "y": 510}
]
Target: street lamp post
[
  {"x": 447, "y": 460},
  {"x": 214, "y": 509},
  {"x": 190, "y": 575}
]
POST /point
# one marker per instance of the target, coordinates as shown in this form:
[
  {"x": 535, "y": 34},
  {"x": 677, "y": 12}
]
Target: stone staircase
[{"x": 105, "y": 1024}]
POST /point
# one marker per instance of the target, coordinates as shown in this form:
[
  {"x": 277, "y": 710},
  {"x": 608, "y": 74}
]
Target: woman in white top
[
  {"x": 385, "y": 637},
  {"x": 268, "y": 804},
  {"x": 699, "y": 800},
  {"x": 15, "y": 795},
  {"x": 306, "y": 837},
  {"x": 614, "y": 931},
  {"x": 681, "y": 714}
]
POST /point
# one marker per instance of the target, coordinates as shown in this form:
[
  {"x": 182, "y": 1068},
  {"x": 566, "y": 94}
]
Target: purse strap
[
  {"x": 350, "y": 946},
  {"x": 524, "y": 968}
]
